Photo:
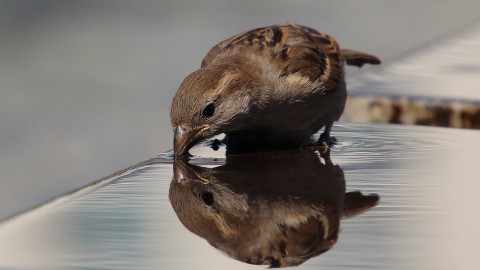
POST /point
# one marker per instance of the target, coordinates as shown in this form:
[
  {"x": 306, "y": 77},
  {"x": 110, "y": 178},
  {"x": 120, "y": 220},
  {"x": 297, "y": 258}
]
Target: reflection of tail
[
  {"x": 357, "y": 203},
  {"x": 357, "y": 58}
]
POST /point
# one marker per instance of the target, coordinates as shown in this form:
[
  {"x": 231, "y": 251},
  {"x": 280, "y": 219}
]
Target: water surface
[{"x": 426, "y": 217}]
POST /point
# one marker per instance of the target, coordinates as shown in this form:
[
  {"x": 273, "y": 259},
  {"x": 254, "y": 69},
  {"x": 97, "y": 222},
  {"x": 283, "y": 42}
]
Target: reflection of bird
[
  {"x": 264, "y": 209},
  {"x": 267, "y": 88}
]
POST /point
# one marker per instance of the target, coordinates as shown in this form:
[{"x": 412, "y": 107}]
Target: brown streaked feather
[{"x": 293, "y": 49}]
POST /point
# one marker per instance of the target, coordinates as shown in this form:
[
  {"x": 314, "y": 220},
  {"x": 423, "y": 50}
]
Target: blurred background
[{"x": 85, "y": 86}]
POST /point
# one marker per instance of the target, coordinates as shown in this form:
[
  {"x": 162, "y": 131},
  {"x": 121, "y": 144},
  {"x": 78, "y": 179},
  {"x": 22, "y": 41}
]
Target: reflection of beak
[
  {"x": 184, "y": 172},
  {"x": 186, "y": 138}
]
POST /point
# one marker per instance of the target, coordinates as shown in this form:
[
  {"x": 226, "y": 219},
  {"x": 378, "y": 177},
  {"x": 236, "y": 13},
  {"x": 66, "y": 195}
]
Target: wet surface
[{"x": 297, "y": 202}]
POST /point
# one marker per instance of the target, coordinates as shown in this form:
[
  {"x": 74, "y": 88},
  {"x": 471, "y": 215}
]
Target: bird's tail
[{"x": 357, "y": 58}]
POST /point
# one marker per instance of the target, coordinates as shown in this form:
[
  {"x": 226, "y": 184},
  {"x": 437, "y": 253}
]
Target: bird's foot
[
  {"x": 321, "y": 147},
  {"x": 327, "y": 139}
]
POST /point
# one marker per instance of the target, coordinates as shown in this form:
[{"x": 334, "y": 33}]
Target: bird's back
[{"x": 291, "y": 49}]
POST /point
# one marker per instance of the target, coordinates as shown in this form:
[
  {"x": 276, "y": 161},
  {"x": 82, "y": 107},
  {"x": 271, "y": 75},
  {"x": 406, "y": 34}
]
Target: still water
[{"x": 386, "y": 197}]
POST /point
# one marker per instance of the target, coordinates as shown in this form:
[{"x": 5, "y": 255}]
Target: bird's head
[{"x": 214, "y": 99}]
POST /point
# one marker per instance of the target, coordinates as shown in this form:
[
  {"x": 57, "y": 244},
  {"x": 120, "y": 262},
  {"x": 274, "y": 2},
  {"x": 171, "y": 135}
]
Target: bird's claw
[{"x": 328, "y": 140}]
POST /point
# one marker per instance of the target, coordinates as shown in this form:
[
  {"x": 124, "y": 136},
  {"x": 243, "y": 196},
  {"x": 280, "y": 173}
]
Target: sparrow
[
  {"x": 268, "y": 88},
  {"x": 250, "y": 209}
]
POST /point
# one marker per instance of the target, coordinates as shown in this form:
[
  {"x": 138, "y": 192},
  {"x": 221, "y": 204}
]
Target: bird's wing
[{"x": 293, "y": 49}]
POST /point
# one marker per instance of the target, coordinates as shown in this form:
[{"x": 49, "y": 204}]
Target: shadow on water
[{"x": 276, "y": 209}]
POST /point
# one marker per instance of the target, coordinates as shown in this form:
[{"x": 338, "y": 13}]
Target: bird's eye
[
  {"x": 208, "y": 198},
  {"x": 209, "y": 110}
]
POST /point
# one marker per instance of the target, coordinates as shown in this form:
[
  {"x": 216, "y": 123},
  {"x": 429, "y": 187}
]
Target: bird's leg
[{"x": 325, "y": 137}]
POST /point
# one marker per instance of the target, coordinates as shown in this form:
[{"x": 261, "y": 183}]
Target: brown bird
[
  {"x": 267, "y": 88},
  {"x": 279, "y": 209}
]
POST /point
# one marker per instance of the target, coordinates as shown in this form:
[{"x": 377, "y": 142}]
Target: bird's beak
[
  {"x": 184, "y": 172},
  {"x": 186, "y": 138}
]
